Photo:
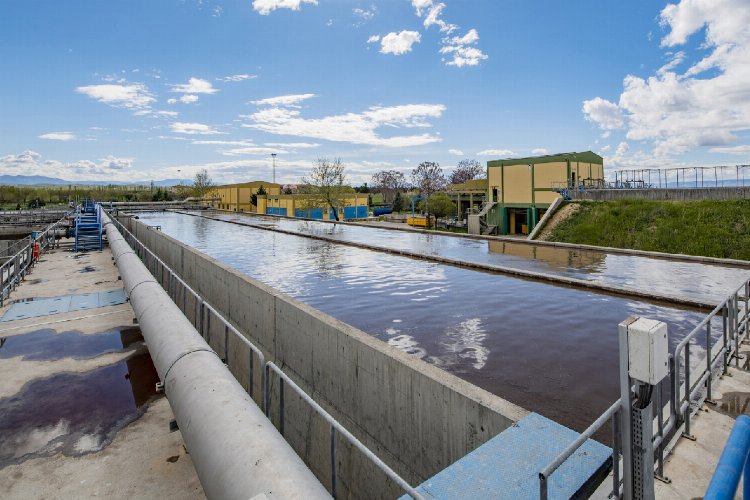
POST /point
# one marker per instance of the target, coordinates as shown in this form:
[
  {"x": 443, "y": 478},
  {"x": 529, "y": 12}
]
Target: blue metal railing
[{"x": 732, "y": 463}]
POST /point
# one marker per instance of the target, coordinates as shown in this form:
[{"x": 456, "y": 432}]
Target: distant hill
[{"x": 41, "y": 180}]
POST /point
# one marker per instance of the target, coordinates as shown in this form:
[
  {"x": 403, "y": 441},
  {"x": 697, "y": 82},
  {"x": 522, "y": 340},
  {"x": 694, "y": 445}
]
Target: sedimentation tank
[{"x": 546, "y": 347}]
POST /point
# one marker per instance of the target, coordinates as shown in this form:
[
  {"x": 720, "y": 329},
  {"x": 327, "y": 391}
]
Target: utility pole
[{"x": 273, "y": 158}]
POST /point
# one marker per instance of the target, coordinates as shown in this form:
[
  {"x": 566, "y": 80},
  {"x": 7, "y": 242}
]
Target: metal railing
[
  {"x": 688, "y": 386},
  {"x": 201, "y": 317},
  {"x": 14, "y": 270}
]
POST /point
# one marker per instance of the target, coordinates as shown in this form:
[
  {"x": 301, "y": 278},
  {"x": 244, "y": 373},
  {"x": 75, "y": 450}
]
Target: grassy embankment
[{"x": 708, "y": 228}]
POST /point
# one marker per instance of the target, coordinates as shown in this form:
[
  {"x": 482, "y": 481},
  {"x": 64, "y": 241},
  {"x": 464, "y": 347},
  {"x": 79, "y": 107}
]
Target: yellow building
[
  {"x": 521, "y": 189},
  {"x": 467, "y": 195},
  {"x": 238, "y": 197},
  {"x": 293, "y": 205}
]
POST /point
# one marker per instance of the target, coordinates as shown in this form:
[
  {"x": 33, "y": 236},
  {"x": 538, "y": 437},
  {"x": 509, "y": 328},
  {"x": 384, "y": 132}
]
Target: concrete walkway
[
  {"x": 691, "y": 464},
  {"x": 79, "y": 416}
]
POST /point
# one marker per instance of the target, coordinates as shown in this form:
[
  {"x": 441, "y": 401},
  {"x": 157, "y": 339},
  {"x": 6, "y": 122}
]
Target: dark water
[
  {"x": 47, "y": 344},
  {"x": 709, "y": 282},
  {"x": 74, "y": 413},
  {"x": 550, "y": 349}
]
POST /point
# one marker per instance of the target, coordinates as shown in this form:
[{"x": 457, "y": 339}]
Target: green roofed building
[{"x": 520, "y": 190}]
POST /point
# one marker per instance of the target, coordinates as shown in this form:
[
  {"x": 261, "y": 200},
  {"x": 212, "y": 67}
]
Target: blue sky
[{"x": 141, "y": 90}]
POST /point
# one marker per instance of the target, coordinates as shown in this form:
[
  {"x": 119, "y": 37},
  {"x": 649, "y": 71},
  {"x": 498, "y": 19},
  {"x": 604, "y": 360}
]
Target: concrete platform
[
  {"x": 691, "y": 464},
  {"x": 79, "y": 416}
]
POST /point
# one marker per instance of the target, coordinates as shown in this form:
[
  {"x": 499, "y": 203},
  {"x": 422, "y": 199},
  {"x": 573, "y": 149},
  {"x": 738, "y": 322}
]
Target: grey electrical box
[{"x": 648, "y": 350}]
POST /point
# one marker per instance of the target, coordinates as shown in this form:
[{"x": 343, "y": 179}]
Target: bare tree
[
  {"x": 429, "y": 178},
  {"x": 467, "y": 170},
  {"x": 202, "y": 184},
  {"x": 389, "y": 182},
  {"x": 324, "y": 186}
]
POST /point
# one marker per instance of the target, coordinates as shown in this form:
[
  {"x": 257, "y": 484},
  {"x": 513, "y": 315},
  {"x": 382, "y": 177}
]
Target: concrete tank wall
[
  {"x": 674, "y": 194},
  {"x": 417, "y": 418}
]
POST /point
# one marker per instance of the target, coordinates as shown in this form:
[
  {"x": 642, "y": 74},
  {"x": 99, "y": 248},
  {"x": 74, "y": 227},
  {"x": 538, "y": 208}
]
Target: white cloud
[
  {"x": 496, "y": 152},
  {"x": 193, "y": 128},
  {"x": 293, "y": 145},
  {"x": 291, "y": 100},
  {"x": 171, "y": 101},
  {"x": 237, "y": 78},
  {"x": 456, "y": 152},
  {"x": 604, "y": 113},
  {"x": 264, "y": 7},
  {"x": 253, "y": 151},
  {"x": 31, "y": 163},
  {"x": 399, "y": 43},
  {"x": 539, "y": 151},
  {"x": 223, "y": 143},
  {"x": 131, "y": 96},
  {"x": 189, "y": 98},
  {"x": 373, "y": 39},
  {"x": 356, "y": 128},
  {"x": 743, "y": 149},
  {"x": 364, "y": 15},
  {"x": 709, "y": 103},
  {"x": 195, "y": 86},
  {"x": 149, "y": 112},
  {"x": 59, "y": 136},
  {"x": 461, "y": 49}
]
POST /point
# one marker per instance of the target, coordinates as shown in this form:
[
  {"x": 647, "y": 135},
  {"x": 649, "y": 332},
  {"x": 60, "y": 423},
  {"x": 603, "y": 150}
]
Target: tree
[
  {"x": 202, "y": 183},
  {"x": 440, "y": 205},
  {"x": 389, "y": 182},
  {"x": 398, "y": 202},
  {"x": 429, "y": 178},
  {"x": 254, "y": 198},
  {"x": 324, "y": 186},
  {"x": 467, "y": 170}
]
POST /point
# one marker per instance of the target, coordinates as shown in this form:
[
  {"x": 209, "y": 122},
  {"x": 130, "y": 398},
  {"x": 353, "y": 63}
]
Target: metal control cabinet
[{"x": 648, "y": 350}]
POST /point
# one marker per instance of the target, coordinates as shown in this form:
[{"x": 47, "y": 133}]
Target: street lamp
[{"x": 273, "y": 158}]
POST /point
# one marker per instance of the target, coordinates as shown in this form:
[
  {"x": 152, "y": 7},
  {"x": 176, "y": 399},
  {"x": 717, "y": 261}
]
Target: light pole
[{"x": 273, "y": 158}]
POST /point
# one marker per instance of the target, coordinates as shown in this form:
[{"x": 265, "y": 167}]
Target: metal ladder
[{"x": 88, "y": 227}]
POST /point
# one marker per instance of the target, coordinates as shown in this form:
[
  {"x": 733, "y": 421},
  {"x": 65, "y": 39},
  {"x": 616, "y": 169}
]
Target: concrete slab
[
  {"x": 691, "y": 464},
  {"x": 81, "y": 425},
  {"x": 28, "y": 308}
]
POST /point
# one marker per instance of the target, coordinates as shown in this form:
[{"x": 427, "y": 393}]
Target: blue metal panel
[
  {"x": 350, "y": 213},
  {"x": 65, "y": 303},
  {"x": 361, "y": 212},
  {"x": 508, "y": 465},
  {"x": 316, "y": 213},
  {"x": 298, "y": 212}
]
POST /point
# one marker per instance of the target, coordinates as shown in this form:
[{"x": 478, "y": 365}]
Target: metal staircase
[
  {"x": 486, "y": 228},
  {"x": 88, "y": 227}
]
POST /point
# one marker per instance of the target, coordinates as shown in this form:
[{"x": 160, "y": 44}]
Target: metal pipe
[{"x": 236, "y": 451}]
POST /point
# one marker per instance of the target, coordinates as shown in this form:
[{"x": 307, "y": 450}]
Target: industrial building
[
  {"x": 355, "y": 206},
  {"x": 521, "y": 189},
  {"x": 467, "y": 195},
  {"x": 238, "y": 197}
]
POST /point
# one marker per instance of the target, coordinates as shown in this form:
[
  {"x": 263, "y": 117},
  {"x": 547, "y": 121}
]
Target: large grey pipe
[{"x": 237, "y": 452}]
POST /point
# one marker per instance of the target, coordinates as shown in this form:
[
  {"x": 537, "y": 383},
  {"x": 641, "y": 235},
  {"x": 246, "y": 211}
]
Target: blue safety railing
[{"x": 733, "y": 464}]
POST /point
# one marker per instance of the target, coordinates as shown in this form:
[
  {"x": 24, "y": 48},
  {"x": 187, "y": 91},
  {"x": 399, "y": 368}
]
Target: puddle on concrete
[
  {"x": 75, "y": 413},
  {"x": 734, "y": 404},
  {"x": 87, "y": 269},
  {"x": 46, "y": 344}
]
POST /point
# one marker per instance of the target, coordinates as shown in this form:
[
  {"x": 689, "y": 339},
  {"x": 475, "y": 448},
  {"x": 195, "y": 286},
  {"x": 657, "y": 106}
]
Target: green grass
[{"x": 708, "y": 228}]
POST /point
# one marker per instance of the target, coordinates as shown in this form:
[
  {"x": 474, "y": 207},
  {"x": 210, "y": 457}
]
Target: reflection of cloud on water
[
  {"x": 405, "y": 343},
  {"x": 464, "y": 342}
]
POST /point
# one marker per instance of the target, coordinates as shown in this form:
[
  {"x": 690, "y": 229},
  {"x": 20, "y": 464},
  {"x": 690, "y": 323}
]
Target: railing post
[
  {"x": 281, "y": 405},
  {"x": 686, "y": 416},
  {"x": 709, "y": 356},
  {"x": 616, "y": 438},
  {"x": 724, "y": 314},
  {"x": 333, "y": 461},
  {"x": 542, "y": 487}
]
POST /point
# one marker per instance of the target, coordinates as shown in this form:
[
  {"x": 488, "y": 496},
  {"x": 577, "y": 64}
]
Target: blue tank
[{"x": 382, "y": 211}]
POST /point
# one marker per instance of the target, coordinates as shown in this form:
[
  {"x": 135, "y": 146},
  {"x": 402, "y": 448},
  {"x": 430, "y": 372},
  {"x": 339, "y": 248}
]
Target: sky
[{"x": 140, "y": 90}]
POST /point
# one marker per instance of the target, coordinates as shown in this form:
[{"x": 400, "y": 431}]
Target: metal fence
[
  {"x": 202, "y": 315},
  {"x": 15, "y": 269},
  {"x": 689, "y": 384}
]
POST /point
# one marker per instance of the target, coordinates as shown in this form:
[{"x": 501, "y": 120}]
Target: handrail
[
  {"x": 611, "y": 413},
  {"x": 733, "y": 463},
  {"x": 203, "y": 327},
  {"x": 335, "y": 426}
]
